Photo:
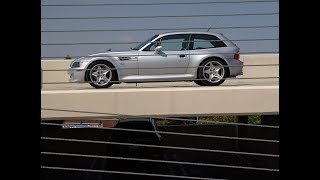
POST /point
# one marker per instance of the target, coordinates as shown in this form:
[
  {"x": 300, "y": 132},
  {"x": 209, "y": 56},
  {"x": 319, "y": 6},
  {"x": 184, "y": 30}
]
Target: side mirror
[{"x": 158, "y": 49}]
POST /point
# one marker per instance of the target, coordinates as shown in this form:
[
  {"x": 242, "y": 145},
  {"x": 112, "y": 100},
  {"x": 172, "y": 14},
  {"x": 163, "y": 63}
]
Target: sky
[{"x": 152, "y": 10}]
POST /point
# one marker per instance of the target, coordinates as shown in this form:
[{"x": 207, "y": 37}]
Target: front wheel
[
  {"x": 211, "y": 73},
  {"x": 99, "y": 75}
]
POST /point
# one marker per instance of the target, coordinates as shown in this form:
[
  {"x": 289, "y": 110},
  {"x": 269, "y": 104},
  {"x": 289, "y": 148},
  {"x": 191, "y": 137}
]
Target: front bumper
[{"x": 76, "y": 75}]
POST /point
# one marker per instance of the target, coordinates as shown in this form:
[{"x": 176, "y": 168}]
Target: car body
[{"x": 203, "y": 57}]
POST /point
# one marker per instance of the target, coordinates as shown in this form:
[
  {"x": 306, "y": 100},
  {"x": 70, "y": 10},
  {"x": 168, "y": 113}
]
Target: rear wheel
[
  {"x": 199, "y": 83},
  {"x": 99, "y": 75},
  {"x": 211, "y": 73}
]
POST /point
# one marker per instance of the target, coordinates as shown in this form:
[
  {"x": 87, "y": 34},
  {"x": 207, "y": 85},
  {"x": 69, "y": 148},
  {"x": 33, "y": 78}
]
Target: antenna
[{"x": 209, "y": 28}]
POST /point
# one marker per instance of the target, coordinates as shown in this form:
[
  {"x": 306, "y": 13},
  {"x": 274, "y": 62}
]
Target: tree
[{"x": 68, "y": 57}]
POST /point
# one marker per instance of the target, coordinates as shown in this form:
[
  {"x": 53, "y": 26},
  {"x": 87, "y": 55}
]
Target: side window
[
  {"x": 152, "y": 46},
  {"x": 178, "y": 42},
  {"x": 204, "y": 41}
]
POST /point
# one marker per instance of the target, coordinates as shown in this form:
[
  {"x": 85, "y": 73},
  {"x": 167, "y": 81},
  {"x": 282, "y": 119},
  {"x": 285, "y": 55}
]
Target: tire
[
  {"x": 212, "y": 72},
  {"x": 199, "y": 83},
  {"x": 99, "y": 74}
]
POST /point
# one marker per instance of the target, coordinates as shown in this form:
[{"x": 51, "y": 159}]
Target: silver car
[{"x": 203, "y": 57}]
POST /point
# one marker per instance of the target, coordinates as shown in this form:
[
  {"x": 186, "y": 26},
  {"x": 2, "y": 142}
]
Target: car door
[{"x": 173, "y": 59}]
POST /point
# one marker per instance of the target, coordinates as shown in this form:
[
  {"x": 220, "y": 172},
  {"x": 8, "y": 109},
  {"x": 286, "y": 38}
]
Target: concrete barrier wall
[
  {"x": 260, "y": 71},
  {"x": 250, "y": 71},
  {"x": 178, "y": 101},
  {"x": 55, "y": 76}
]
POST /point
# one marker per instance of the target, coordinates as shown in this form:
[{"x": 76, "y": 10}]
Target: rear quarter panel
[{"x": 198, "y": 56}]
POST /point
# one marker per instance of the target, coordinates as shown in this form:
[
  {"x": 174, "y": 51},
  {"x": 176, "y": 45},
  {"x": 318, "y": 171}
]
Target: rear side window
[{"x": 205, "y": 41}]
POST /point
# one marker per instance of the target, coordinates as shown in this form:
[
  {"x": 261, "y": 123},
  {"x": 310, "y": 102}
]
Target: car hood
[{"x": 117, "y": 53}]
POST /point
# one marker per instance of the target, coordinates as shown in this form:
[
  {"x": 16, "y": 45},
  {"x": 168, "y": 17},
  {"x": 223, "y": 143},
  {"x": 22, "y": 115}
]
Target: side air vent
[{"x": 124, "y": 58}]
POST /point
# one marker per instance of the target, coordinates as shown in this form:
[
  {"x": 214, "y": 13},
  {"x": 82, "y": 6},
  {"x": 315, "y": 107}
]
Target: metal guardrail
[
  {"x": 159, "y": 3},
  {"x": 192, "y": 67},
  {"x": 159, "y": 29},
  {"x": 163, "y": 147},
  {"x": 166, "y": 16},
  {"x": 242, "y": 53},
  {"x": 166, "y": 80},
  {"x": 158, "y": 117},
  {"x": 135, "y": 42},
  {"x": 178, "y": 134}
]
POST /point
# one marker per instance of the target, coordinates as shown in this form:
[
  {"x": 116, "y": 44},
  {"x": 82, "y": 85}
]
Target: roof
[{"x": 189, "y": 32}]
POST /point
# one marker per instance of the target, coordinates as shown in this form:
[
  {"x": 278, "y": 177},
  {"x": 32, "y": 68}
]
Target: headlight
[{"x": 76, "y": 64}]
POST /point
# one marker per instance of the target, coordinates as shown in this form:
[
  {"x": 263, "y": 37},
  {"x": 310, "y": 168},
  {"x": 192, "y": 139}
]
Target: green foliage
[
  {"x": 217, "y": 118},
  {"x": 253, "y": 119},
  {"x": 162, "y": 122},
  {"x": 68, "y": 57}
]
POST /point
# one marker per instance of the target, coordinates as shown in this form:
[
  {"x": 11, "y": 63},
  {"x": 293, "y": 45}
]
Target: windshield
[{"x": 145, "y": 42}]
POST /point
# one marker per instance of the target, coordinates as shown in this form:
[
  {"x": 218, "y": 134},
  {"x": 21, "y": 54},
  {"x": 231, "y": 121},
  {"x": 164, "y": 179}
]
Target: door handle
[{"x": 182, "y": 55}]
